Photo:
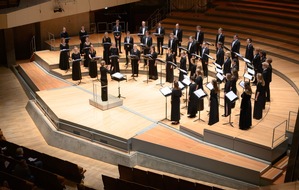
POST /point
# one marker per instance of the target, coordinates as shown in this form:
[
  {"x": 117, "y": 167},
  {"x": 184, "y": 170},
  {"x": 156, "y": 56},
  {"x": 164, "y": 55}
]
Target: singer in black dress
[
  {"x": 86, "y": 47},
  {"x": 175, "y": 104},
  {"x": 82, "y": 36},
  {"x": 76, "y": 69},
  {"x": 93, "y": 67},
  {"x": 227, "y": 88},
  {"x": 245, "y": 120},
  {"x": 183, "y": 65},
  {"x": 234, "y": 80},
  {"x": 135, "y": 61},
  {"x": 259, "y": 97},
  {"x": 214, "y": 106},
  {"x": 114, "y": 60},
  {"x": 193, "y": 99},
  {"x": 106, "y": 42},
  {"x": 198, "y": 82},
  {"x": 169, "y": 66},
  {"x": 64, "y": 55},
  {"x": 153, "y": 72}
]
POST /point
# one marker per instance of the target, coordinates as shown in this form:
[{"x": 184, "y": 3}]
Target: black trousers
[{"x": 160, "y": 44}]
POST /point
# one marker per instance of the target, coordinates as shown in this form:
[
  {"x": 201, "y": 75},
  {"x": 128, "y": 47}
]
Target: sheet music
[
  {"x": 183, "y": 71},
  {"x": 186, "y": 77},
  {"x": 248, "y": 76},
  {"x": 210, "y": 86},
  {"x": 181, "y": 86},
  {"x": 186, "y": 81},
  {"x": 246, "y": 60},
  {"x": 242, "y": 84},
  {"x": 209, "y": 56},
  {"x": 117, "y": 75},
  {"x": 220, "y": 76},
  {"x": 250, "y": 71},
  {"x": 219, "y": 70},
  {"x": 217, "y": 65},
  {"x": 239, "y": 55},
  {"x": 166, "y": 91},
  {"x": 165, "y": 47},
  {"x": 231, "y": 96},
  {"x": 200, "y": 93}
]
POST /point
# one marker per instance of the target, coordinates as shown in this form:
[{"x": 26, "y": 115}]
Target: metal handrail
[
  {"x": 52, "y": 41},
  {"x": 284, "y": 135},
  {"x": 289, "y": 119}
]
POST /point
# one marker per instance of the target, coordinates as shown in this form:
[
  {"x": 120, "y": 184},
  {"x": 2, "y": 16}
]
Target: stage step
[
  {"x": 282, "y": 164},
  {"x": 272, "y": 174}
]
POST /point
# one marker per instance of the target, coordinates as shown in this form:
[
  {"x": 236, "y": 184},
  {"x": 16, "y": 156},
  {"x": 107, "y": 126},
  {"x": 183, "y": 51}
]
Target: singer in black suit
[
  {"x": 199, "y": 37},
  {"x": 205, "y": 58},
  {"x": 106, "y": 42},
  {"x": 160, "y": 38},
  {"x": 269, "y": 61},
  {"x": 135, "y": 62},
  {"x": 191, "y": 47},
  {"x": 178, "y": 33},
  {"x": 235, "y": 47},
  {"x": 142, "y": 30},
  {"x": 104, "y": 69},
  {"x": 220, "y": 54},
  {"x": 220, "y": 37},
  {"x": 117, "y": 35},
  {"x": 183, "y": 66},
  {"x": 249, "y": 50},
  {"x": 172, "y": 44},
  {"x": 148, "y": 42},
  {"x": 257, "y": 63},
  {"x": 227, "y": 64},
  {"x": 267, "y": 78},
  {"x": 128, "y": 45}
]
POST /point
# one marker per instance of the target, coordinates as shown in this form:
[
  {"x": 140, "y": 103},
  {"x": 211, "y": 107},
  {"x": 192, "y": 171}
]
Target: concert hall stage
[{"x": 138, "y": 133}]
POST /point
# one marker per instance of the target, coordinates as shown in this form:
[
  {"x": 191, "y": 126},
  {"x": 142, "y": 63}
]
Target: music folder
[
  {"x": 142, "y": 45},
  {"x": 209, "y": 56},
  {"x": 106, "y": 43},
  {"x": 182, "y": 70},
  {"x": 239, "y": 55},
  {"x": 217, "y": 65},
  {"x": 67, "y": 38},
  {"x": 231, "y": 96},
  {"x": 172, "y": 63},
  {"x": 160, "y": 60},
  {"x": 242, "y": 84},
  {"x": 166, "y": 91},
  {"x": 246, "y": 60},
  {"x": 97, "y": 58},
  {"x": 128, "y": 44},
  {"x": 250, "y": 71},
  {"x": 148, "y": 56},
  {"x": 185, "y": 49},
  {"x": 226, "y": 48},
  {"x": 86, "y": 48},
  {"x": 249, "y": 65},
  {"x": 76, "y": 60},
  {"x": 140, "y": 34},
  {"x": 220, "y": 76},
  {"x": 219, "y": 70},
  {"x": 133, "y": 57},
  {"x": 116, "y": 33},
  {"x": 65, "y": 50},
  {"x": 209, "y": 43},
  {"x": 186, "y": 81},
  {"x": 158, "y": 35},
  {"x": 118, "y": 76},
  {"x": 165, "y": 47},
  {"x": 200, "y": 93},
  {"x": 85, "y": 36},
  {"x": 198, "y": 56},
  {"x": 248, "y": 76},
  {"x": 181, "y": 85},
  {"x": 113, "y": 56},
  {"x": 210, "y": 86}
]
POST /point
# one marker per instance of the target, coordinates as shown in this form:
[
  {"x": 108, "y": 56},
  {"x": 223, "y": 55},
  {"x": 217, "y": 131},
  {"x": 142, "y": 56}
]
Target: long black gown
[
  {"x": 76, "y": 69},
  {"x": 198, "y": 82},
  {"x": 93, "y": 67},
  {"x": 183, "y": 67},
  {"x": 175, "y": 105},
  {"x": 234, "y": 89},
  {"x": 245, "y": 120},
  {"x": 114, "y": 60},
  {"x": 82, "y": 36},
  {"x": 152, "y": 70},
  {"x": 64, "y": 57},
  {"x": 193, "y": 101},
  {"x": 260, "y": 102},
  {"x": 86, "y": 48},
  {"x": 169, "y": 68},
  {"x": 134, "y": 62},
  {"x": 214, "y": 108},
  {"x": 106, "y": 49},
  {"x": 227, "y": 103}
]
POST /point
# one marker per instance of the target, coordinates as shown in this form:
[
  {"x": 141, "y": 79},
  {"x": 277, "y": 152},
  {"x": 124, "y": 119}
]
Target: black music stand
[
  {"x": 187, "y": 83},
  {"x": 166, "y": 91},
  {"x": 119, "y": 77},
  {"x": 207, "y": 66},
  {"x": 232, "y": 98},
  {"x": 161, "y": 84},
  {"x": 133, "y": 57},
  {"x": 200, "y": 94}
]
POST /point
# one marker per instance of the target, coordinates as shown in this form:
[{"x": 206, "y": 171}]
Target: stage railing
[
  {"x": 51, "y": 40},
  {"x": 96, "y": 89},
  {"x": 292, "y": 121},
  {"x": 279, "y": 132}
]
